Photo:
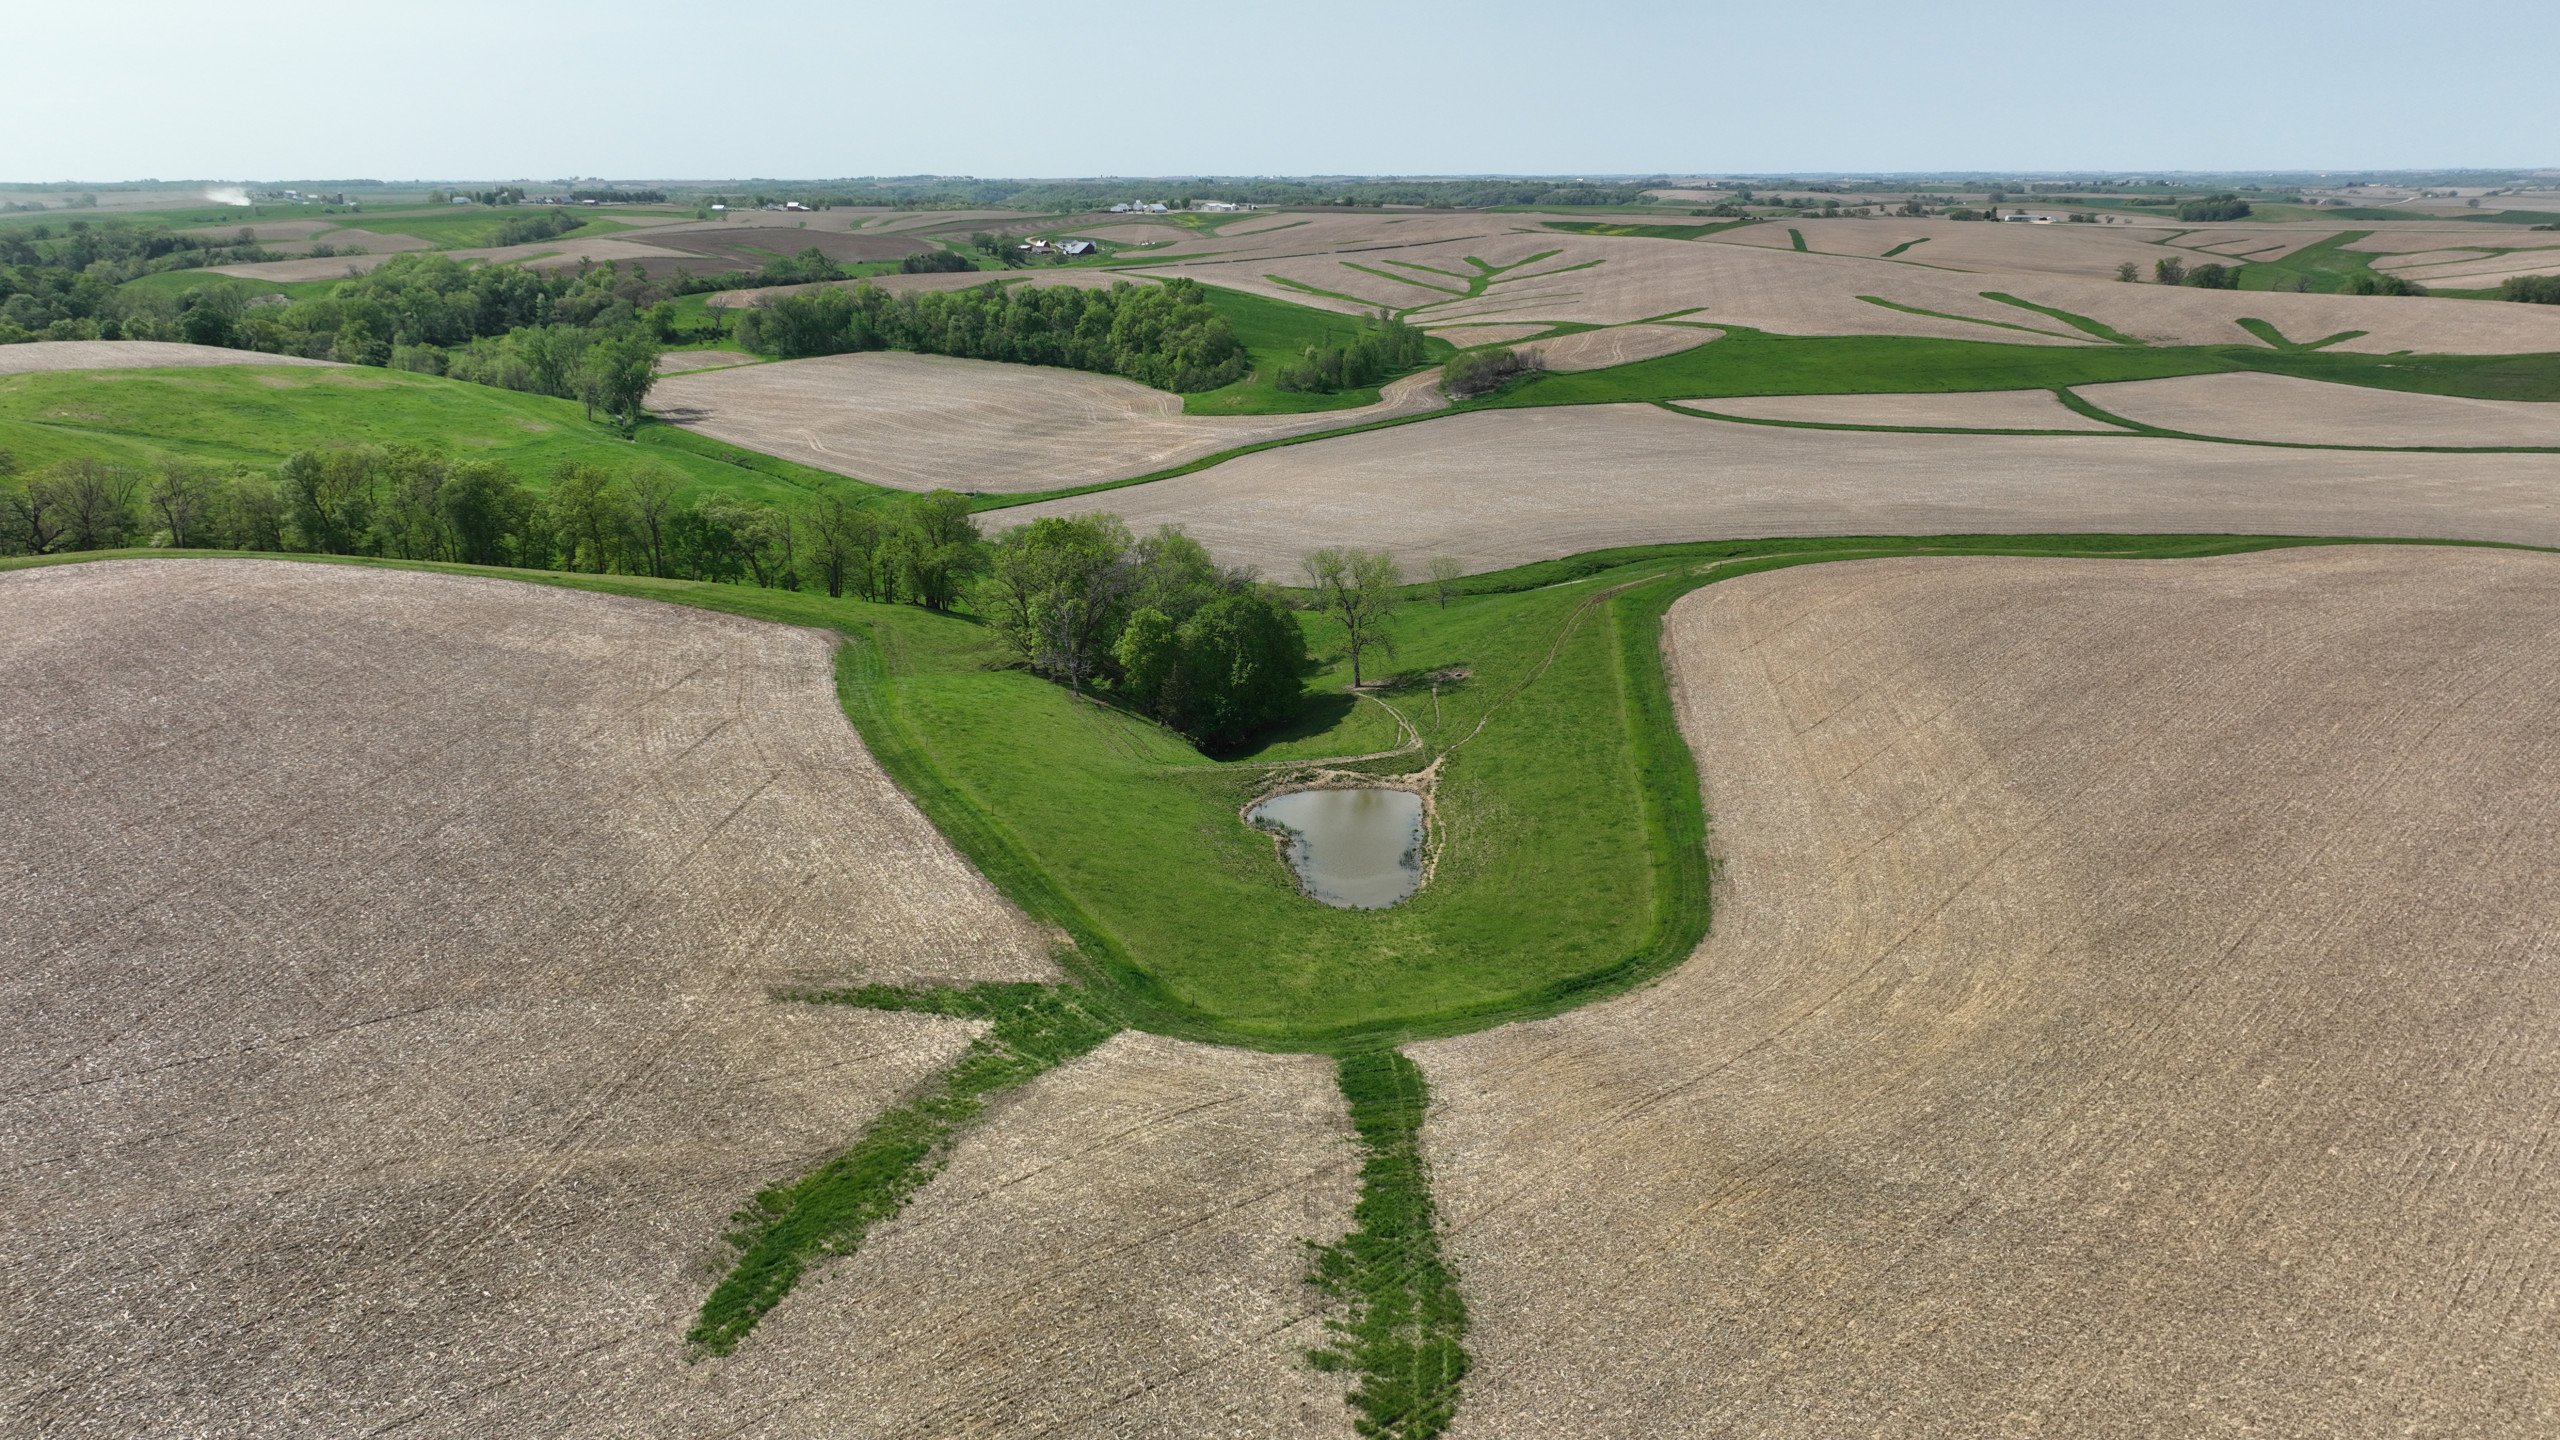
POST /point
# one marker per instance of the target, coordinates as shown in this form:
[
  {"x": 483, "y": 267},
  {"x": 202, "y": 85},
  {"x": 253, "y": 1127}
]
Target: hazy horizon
[{"x": 473, "y": 90}]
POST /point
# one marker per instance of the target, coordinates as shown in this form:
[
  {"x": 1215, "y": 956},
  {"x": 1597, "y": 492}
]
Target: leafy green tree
[
  {"x": 1241, "y": 662},
  {"x": 1357, "y": 588},
  {"x": 487, "y": 514},
  {"x": 586, "y": 508},
  {"x": 2169, "y": 270},
  {"x": 844, "y": 536},
  {"x": 935, "y": 551},
  {"x": 651, "y": 496},
  {"x": 1057, "y": 590},
  {"x": 183, "y": 497},
  {"x": 329, "y": 496}
]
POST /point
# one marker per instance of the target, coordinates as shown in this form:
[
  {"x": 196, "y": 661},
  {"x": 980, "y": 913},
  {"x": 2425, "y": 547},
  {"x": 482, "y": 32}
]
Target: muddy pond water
[{"x": 1356, "y": 849}]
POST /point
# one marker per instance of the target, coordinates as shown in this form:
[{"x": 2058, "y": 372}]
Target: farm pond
[{"x": 1357, "y": 849}]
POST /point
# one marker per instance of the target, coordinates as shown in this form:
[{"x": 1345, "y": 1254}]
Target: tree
[
  {"x": 1241, "y": 661},
  {"x": 2169, "y": 271},
  {"x": 1470, "y": 373},
  {"x": 2531, "y": 289},
  {"x": 2126, "y": 273},
  {"x": 843, "y": 535},
  {"x": 586, "y": 510},
  {"x": 1444, "y": 578},
  {"x": 1058, "y": 589},
  {"x": 95, "y": 500},
  {"x": 329, "y": 496},
  {"x": 183, "y": 496},
  {"x": 652, "y": 494},
  {"x": 1357, "y": 588},
  {"x": 935, "y": 551},
  {"x": 485, "y": 509},
  {"x": 625, "y": 368}
]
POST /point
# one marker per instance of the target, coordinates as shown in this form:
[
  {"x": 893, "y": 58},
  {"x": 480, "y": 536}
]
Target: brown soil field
[
  {"x": 2086, "y": 250},
  {"x": 1117, "y": 1252},
  {"x": 391, "y": 1037},
  {"x": 2402, "y": 237},
  {"x": 43, "y": 355},
  {"x": 2307, "y": 412},
  {"x": 1620, "y": 345},
  {"x": 2172, "y": 314},
  {"x": 542, "y": 255},
  {"x": 1483, "y": 333},
  {"x": 1957, "y": 410},
  {"x": 2027, "y": 1086},
  {"x": 1143, "y": 232},
  {"x": 1505, "y": 487},
  {"x": 372, "y": 241},
  {"x": 922, "y": 422},
  {"x": 676, "y": 362},
  {"x": 333, "y": 267},
  {"x": 2476, "y": 272},
  {"x": 747, "y": 247},
  {"x": 948, "y": 280},
  {"x": 1638, "y": 279}
]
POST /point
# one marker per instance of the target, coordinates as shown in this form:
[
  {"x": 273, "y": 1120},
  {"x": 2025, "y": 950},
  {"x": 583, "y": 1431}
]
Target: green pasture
[{"x": 256, "y": 415}]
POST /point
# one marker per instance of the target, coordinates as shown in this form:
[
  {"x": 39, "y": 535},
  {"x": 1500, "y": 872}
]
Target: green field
[
  {"x": 181, "y": 282},
  {"x": 1276, "y": 333},
  {"x": 257, "y": 415},
  {"x": 458, "y": 228}
]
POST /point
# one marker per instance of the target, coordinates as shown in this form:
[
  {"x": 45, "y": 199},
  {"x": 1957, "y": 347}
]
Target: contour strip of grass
[
  {"x": 1879, "y": 300},
  {"x": 2275, "y": 338},
  {"x": 1401, "y": 1325},
  {"x": 1796, "y": 239},
  {"x": 2082, "y": 323},
  {"x": 1905, "y": 245},
  {"x": 1031, "y": 1029}
]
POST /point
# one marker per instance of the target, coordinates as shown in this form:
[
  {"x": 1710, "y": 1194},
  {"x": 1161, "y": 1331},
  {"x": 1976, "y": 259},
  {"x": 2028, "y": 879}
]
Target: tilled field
[
  {"x": 921, "y": 422},
  {"x": 1753, "y": 277},
  {"x": 44, "y": 355},
  {"x": 391, "y": 1036},
  {"x": 2307, "y": 412},
  {"x": 2127, "y": 1014},
  {"x": 1504, "y": 487}
]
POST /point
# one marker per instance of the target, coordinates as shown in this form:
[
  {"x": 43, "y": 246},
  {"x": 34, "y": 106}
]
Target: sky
[{"x": 639, "y": 89}]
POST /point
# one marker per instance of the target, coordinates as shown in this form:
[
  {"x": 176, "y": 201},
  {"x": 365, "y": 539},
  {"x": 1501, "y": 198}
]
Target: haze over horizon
[{"x": 471, "y": 89}]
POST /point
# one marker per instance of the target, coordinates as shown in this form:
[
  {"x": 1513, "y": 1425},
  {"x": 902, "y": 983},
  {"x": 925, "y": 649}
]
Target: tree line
[
  {"x": 406, "y": 503},
  {"x": 1152, "y": 624},
  {"x": 1385, "y": 348},
  {"x": 1166, "y": 335},
  {"x": 61, "y": 283}
]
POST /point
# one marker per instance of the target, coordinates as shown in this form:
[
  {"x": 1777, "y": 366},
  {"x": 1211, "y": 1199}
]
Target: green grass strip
[
  {"x": 2082, "y": 323},
  {"x": 1035, "y": 1028},
  {"x": 1951, "y": 315},
  {"x": 1402, "y": 1325},
  {"x": 1796, "y": 238},
  {"x": 1905, "y": 245},
  {"x": 2274, "y": 337}
]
